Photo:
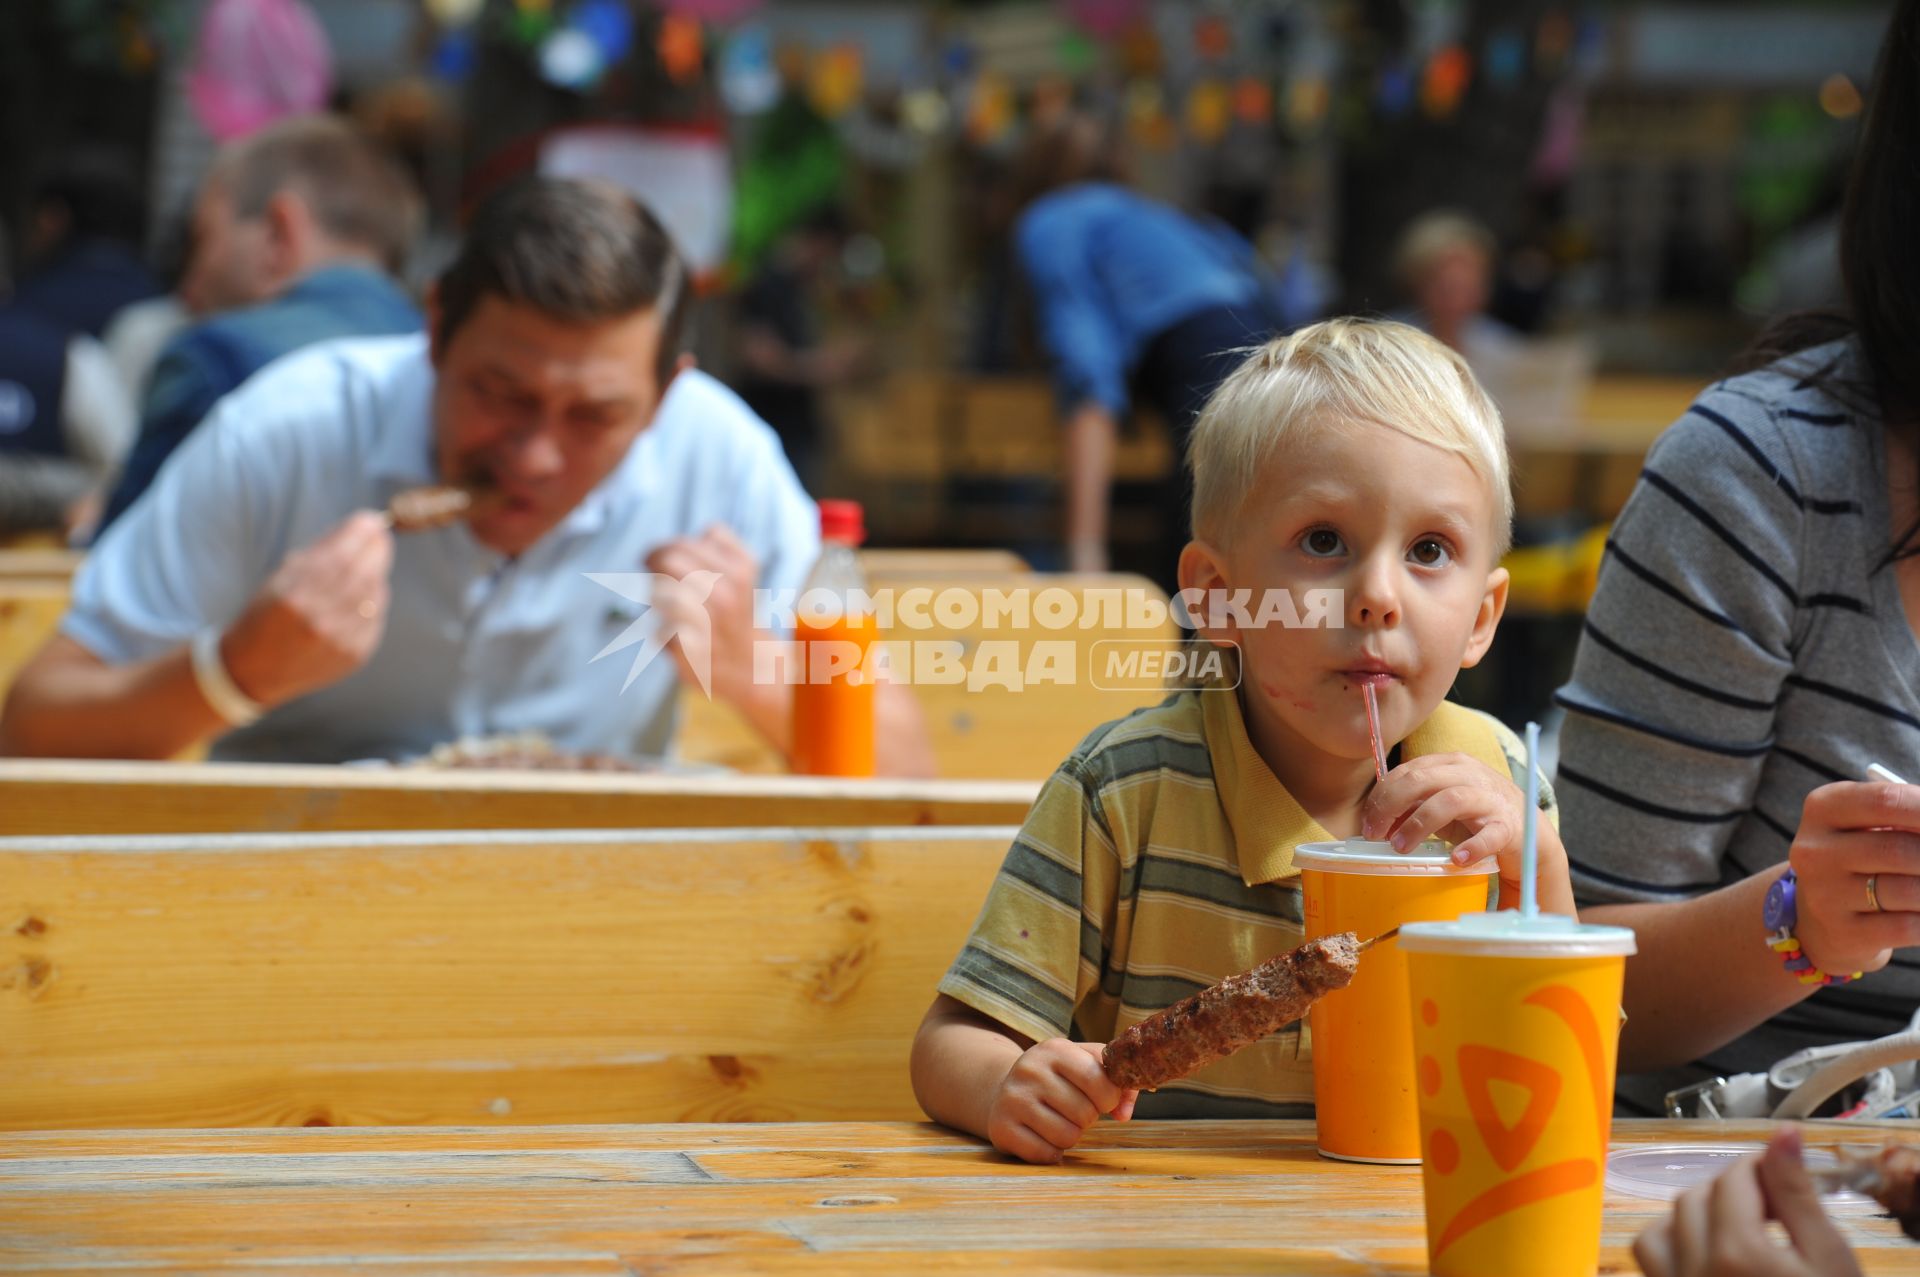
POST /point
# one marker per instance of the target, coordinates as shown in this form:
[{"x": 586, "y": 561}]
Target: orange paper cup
[
  {"x": 1363, "y": 1084},
  {"x": 1516, "y": 1027}
]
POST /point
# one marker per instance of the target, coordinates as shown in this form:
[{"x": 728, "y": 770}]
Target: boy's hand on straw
[
  {"x": 1462, "y": 800},
  {"x": 1051, "y": 1095}
]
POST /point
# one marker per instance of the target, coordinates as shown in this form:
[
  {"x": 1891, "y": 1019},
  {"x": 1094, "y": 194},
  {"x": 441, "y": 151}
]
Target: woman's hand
[
  {"x": 1849, "y": 832},
  {"x": 1720, "y": 1229}
]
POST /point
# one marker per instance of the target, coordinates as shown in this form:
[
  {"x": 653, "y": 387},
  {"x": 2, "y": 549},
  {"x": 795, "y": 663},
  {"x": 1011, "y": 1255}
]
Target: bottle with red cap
[{"x": 835, "y": 628}]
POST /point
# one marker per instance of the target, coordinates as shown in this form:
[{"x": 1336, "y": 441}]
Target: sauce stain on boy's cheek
[{"x": 1275, "y": 694}]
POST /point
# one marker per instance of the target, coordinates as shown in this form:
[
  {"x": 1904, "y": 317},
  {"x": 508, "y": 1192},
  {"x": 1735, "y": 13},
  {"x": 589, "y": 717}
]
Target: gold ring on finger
[{"x": 1873, "y": 893}]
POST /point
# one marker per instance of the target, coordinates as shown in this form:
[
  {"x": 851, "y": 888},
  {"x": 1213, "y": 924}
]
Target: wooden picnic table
[{"x": 840, "y": 1198}]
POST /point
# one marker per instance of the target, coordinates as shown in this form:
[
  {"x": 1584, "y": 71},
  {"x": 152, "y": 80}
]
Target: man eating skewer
[{"x": 255, "y": 597}]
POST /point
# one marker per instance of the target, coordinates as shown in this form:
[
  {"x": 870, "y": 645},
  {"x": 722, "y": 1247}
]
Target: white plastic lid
[
  {"x": 1661, "y": 1172},
  {"x": 1509, "y": 933},
  {"x": 1363, "y": 856}
]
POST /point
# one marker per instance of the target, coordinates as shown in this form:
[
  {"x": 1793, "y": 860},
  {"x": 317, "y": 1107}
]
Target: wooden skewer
[{"x": 1384, "y": 936}]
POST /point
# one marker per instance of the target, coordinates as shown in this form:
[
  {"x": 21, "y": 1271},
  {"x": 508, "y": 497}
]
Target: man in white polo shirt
[{"x": 253, "y": 597}]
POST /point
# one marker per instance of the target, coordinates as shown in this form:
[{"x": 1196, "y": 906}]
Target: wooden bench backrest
[
  {"x": 466, "y": 978},
  {"x": 60, "y": 796}
]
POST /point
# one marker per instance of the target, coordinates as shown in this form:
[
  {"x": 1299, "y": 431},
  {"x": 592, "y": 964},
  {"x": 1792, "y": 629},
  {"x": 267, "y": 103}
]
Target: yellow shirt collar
[{"x": 1267, "y": 822}]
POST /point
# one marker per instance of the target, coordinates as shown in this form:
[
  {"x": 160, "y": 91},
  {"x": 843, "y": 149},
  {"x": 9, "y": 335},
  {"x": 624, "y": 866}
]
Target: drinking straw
[
  {"x": 1530, "y": 860},
  {"x": 1373, "y": 730}
]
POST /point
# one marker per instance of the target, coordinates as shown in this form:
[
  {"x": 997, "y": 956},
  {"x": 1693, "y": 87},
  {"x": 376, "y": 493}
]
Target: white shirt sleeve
[
  {"x": 97, "y": 413},
  {"x": 185, "y": 555}
]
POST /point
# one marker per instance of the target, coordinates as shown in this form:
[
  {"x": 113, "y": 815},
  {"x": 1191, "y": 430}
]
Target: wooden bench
[
  {"x": 468, "y": 978},
  {"x": 61, "y": 796},
  {"x": 30, "y": 611},
  {"x": 50, "y": 565}
]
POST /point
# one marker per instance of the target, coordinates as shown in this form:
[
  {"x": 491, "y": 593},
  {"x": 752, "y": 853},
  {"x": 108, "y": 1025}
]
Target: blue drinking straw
[{"x": 1530, "y": 860}]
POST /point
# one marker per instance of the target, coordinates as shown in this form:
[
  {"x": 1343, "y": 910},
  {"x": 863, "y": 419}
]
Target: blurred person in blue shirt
[
  {"x": 1130, "y": 295},
  {"x": 83, "y": 263},
  {"x": 297, "y": 233}
]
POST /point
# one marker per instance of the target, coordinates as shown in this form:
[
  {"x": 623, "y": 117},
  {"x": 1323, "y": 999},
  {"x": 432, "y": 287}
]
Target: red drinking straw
[{"x": 1373, "y": 730}]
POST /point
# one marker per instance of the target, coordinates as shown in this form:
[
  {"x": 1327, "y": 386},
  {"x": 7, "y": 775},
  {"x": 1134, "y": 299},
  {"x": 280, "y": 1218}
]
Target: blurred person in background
[
  {"x": 297, "y": 235},
  {"x": 784, "y": 364},
  {"x": 1129, "y": 294},
  {"x": 82, "y": 262},
  {"x": 65, "y": 417},
  {"x": 65, "y": 422},
  {"x": 1445, "y": 261}
]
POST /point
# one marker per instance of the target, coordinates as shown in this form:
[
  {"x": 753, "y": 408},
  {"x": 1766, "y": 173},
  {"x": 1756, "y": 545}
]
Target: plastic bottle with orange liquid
[{"x": 833, "y": 702}]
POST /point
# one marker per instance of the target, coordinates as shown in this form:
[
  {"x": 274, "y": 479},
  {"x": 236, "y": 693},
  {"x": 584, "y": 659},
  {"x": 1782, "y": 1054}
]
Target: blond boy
[{"x": 1352, "y": 456}]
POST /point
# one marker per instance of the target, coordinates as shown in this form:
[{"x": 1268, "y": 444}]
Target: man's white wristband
[{"x": 228, "y": 701}]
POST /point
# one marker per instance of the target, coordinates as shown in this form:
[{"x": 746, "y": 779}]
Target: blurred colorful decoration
[
  {"x": 118, "y": 35},
  {"x": 1146, "y": 116},
  {"x": 1051, "y": 98},
  {"x": 925, "y": 111},
  {"x": 1506, "y": 58},
  {"x": 990, "y": 109},
  {"x": 1394, "y": 91},
  {"x": 833, "y": 80},
  {"x": 1104, "y": 19},
  {"x": 609, "y": 24},
  {"x": 1209, "y": 111},
  {"x": 1445, "y": 81},
  {"x": 711, "y": 11},
  {"x": 569, "y": 59},
  {"x": 454, "y": 13},
  {"x": 682, "y": 47},
  {"x": 1076, "y": 54},
  {"x": 1252, "y": 100},
  {"x": 1782, "y": 162},
  {"x": 1590, "y": 46},
  {"x": 1212, "y": 37},
  {"x": 1839, "y": 97},
  {"x": 957, "y": 60},
  {"x": 257, "y": 61},
  {"x": 1140, "y": 52},
  {"x": 749, "y": 81},
  {"x": 1553, "y": 41},
  {"x": 1307, "y": 102},
  {"x": 792, "y": 164},
  {"x": 1560, "y": 136},
  {"x": 531, "y": 22},
  {"x": 136, "y": 44},
  {"x": 455, "y": 54}
]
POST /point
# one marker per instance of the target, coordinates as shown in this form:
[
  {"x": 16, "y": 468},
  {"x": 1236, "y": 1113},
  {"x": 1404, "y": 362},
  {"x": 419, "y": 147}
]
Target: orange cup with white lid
[
  {"x": 1516, "y": 1029},
  {"x": 1363, "y": 1082}
]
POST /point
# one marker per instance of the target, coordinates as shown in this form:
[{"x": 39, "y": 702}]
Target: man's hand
[
  {"x": 319, "y": 617},
  {"x": 728, "y": 603}
]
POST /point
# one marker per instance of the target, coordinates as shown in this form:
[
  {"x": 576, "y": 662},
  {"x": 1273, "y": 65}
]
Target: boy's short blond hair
[{"x": 1334, "y": 372}]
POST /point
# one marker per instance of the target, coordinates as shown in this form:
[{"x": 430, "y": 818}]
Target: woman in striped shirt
[{"x": 1750, "y": 651}]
